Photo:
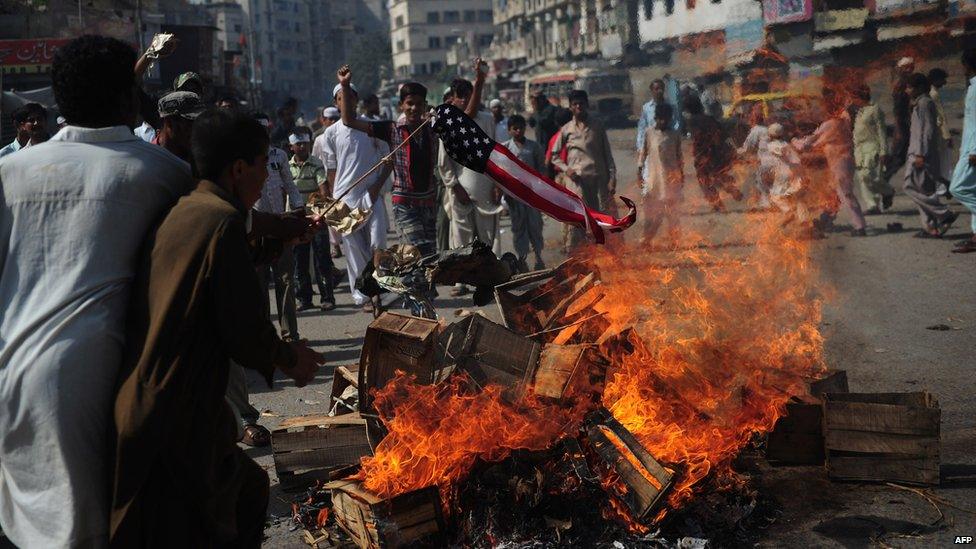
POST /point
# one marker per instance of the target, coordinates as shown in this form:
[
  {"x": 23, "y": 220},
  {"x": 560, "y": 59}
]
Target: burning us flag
[{"x": 469, "y": 146}]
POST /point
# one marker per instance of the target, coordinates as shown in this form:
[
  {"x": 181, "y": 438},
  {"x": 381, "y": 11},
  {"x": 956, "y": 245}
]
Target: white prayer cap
[
  {"x": 331, "y": 112},
  {"x": 61, "y": 121},
  {"x": 297, "y": 138},
  {"x": 776, "y": 130},
  {"x": 335, "y": 90},
  {"x": 495, "y": 103},
  {"x": 905, "y": 62}
]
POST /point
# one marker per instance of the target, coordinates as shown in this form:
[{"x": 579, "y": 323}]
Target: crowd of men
[
  {"x": 138, "y": 243},
  {"x": 852, "y": 139}
]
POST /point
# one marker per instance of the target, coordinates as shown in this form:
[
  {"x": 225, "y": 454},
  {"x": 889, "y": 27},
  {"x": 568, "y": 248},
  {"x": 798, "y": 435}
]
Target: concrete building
[
  {"x": 280, "y": 42},
  {"x": 423, "y": 31}
]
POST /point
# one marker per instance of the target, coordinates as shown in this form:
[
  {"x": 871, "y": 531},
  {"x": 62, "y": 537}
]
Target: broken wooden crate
[
  {"x": 890, "y": 437},
  {"x": 570, "y": 370},
  {"x": 533, "y": 303},
  {"x": 344, "y": 397},
  {"x": 374, "y": 522},
  {"x": 396, "y": 342},
  {"x": 492, "y": 354},
  {"x": 308, "y": 448},
  {"x": 643, "y": 482},
  {"x": 797, "y": 438}
]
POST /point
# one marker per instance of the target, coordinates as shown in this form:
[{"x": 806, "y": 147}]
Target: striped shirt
[{"x": 413, "y": 164}]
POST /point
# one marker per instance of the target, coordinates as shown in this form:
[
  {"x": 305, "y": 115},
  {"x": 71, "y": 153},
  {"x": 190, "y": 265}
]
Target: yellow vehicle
[
  {"x": 800, "y": 113},
  {"x": 609, "y": 90}
]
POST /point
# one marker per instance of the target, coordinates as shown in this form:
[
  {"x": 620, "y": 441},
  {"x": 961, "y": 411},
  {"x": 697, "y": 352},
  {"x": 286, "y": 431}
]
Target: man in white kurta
[
  {"x": 73, "y": 215},
  {"x": 349, "y": 154}
]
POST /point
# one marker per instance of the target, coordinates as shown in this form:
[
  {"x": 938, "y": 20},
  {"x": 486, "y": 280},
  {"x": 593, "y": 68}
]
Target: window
[
  {"x": 420, "y": 68},
  {"x": 436, "y": 67},
  {"x": 484, "y": 16},
  {"x": 452, "y": 16},
  {"x": 434, "y": 42},
  {"x": 669, "y": 6},
  {"x": 470, "y": 16},
  {"x": 648, "y": 9},
  {"x": 484, "y": 40},
  {"x": 298, "y": 27},
  {"x": 294, "y": 7},
  {"x": 237, "y": 28},
  {"x": 401, "y": 45},
  {"x": 433, "y": 17},
  {"x": 398, "y": 21},
  {"x": 690, "y": 4},
  {"x": 450, "y": 41}
]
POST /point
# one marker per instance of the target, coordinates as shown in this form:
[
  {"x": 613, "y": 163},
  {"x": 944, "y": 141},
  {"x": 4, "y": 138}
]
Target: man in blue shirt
[
  {"x": 647, "y": 113},
  {"x": 963, "y": 185}
]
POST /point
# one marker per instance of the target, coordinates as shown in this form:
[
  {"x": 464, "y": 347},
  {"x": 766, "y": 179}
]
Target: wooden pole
[{"x": 376, "y": 167}]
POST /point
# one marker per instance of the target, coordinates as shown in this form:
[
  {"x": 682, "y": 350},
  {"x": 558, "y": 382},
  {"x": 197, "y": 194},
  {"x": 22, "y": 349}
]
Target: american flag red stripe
[{"x": 521, "y": 182}]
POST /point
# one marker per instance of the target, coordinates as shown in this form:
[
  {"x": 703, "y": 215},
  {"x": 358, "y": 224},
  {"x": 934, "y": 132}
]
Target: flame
[
  {"x": 436, "y": 433},
  {"x": 721, "y": 338}
]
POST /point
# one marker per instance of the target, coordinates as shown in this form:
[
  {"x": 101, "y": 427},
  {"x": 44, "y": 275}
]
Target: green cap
[{"x": 186, "y": 78}]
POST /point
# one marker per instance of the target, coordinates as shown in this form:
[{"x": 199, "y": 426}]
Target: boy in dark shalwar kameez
[{"x": 180, "y": 480}]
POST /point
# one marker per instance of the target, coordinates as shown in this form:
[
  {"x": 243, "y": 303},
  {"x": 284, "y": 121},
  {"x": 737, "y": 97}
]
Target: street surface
[{"x": 886, "y": 290}]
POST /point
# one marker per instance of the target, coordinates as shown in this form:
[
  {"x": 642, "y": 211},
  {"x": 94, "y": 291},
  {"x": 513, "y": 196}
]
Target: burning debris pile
[{"x": 610, "y": 404}]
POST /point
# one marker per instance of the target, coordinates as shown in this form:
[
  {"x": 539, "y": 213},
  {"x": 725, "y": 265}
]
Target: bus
[{"x": 609, "y": 90}]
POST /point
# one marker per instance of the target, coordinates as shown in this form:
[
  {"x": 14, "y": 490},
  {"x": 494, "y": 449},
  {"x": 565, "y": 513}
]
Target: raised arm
[
  {"x": 151, "y": 54},
  {"x": 474, "y": 102},
  {"x": 346, "y": 109}
]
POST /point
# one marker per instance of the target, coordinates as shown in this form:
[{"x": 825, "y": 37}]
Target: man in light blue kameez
[{"x": 963, "y": 186}]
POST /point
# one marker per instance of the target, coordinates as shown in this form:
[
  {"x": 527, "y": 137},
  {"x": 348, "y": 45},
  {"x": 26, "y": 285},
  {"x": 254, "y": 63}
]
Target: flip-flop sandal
[{"x": 256, "y": 435}]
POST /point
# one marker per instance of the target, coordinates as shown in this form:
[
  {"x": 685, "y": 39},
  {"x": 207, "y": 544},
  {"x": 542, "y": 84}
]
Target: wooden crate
[
  {"x": 644, "y": 483},
  {"x": 373, "y": 522},
  {"x": 343, "y": 378},
  {"x": 308, "y": 448},
  {"x": 797, "y": 438},
  {"x": 834, "y": 381},
  {"x": 537, "y": 301},
  {"x": 493, "y": 354},
  {"x": 396, "y": 342},
  {"x": 569, "y": 370},
  {"x": 882, "y": 437}
]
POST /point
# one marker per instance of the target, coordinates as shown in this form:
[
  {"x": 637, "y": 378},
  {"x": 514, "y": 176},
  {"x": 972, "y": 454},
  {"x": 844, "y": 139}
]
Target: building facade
[{"x": 422, "y": 32}]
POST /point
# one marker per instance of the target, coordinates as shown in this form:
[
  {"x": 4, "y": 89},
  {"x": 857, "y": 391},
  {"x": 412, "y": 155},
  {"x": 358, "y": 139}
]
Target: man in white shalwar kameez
[
  {"x": 73, "y": 216},
  {"x": 349, "y": 154},
  {"x": 473, "y": 199}
]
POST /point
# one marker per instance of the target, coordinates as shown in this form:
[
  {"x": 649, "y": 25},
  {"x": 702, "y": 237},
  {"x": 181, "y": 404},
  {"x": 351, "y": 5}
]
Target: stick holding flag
[{"x": 471, "y": 147}]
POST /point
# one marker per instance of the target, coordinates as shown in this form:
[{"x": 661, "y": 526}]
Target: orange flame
[
  {"x": 719, "y": 345},
  {"x": 436, "y": 433}
]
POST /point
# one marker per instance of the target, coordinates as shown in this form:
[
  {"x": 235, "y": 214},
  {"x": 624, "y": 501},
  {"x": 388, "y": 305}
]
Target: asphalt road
[{"x": 887, "y": 290}]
